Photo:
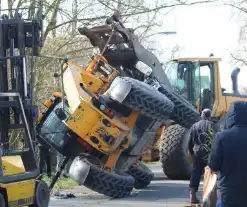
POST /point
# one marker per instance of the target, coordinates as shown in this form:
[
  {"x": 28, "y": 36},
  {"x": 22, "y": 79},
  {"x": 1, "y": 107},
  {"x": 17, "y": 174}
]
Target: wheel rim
[{"x": 42, "y": 195}]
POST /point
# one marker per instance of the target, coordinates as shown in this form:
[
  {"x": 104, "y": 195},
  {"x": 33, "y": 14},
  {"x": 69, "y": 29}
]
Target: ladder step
[
  {"x": 16, "y": 126},
  {"x": 7, "y": 104},
  {"x": 14, "y": 104}
]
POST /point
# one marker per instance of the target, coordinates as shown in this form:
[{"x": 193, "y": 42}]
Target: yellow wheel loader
[
  {"x": 96, "y": 130},
  {"x": 198, "y": 81},
  {"x": 107, "y": 113},
  {"x": 20, "y": 183}
]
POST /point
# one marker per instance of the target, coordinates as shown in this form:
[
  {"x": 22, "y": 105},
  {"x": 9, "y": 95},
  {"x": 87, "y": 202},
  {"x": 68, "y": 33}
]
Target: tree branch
[
  {"x": 241, "y": 60},
  {"x": 237, "y": 7},
  {"x": 130, "y": 14},
  {"x": 53, "y": 18}
]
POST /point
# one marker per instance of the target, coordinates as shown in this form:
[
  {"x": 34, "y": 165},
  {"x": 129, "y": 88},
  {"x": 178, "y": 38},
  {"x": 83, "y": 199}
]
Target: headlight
[
  {"x": 142, "y": 67},
  {"x": 119, "y": 89}
]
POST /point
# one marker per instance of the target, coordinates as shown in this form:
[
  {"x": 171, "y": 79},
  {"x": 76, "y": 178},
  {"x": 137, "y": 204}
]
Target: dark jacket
[
  {"x": 201, "y": 135},
  {"x": 229, "y": 156},
  {"x": 42, "y": 144}
]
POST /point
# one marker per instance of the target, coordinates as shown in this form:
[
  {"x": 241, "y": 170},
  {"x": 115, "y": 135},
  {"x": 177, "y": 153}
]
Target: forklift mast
[{"x": 18, "y": 36}]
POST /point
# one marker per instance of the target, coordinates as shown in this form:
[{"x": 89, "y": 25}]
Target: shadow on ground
[{"x": 162, "y": 192}]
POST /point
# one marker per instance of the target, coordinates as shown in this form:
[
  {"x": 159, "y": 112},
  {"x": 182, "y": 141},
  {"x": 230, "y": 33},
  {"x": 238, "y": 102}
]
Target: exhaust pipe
[{"x": 234, "y": 76}]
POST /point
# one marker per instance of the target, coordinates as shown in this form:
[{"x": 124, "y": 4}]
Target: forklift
[{"x": 20, "y": 180}]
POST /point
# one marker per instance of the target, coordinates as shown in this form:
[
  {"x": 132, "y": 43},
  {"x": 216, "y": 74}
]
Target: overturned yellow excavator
[{"x": 110, "y": 112}]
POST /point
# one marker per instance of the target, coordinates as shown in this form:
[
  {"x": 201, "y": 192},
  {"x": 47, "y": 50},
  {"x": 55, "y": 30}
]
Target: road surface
[{"x": 160, "y": 193}]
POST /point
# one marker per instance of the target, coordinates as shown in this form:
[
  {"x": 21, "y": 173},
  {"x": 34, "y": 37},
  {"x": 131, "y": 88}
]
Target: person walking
[
  {"x": 228, "y": 157},
  {"x": 45, "y": 158},
  {"x": 201, "y": 135}
]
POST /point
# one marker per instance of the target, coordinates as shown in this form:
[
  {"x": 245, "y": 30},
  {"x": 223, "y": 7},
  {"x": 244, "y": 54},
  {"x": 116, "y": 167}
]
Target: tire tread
[
  {"x": 184, "y": 113},
  {"x": 109, "y": 184},
  {"x": 143, "y": 175},
  {"x": 147, "y": 100},
  {"x": 173, "y": 155}
]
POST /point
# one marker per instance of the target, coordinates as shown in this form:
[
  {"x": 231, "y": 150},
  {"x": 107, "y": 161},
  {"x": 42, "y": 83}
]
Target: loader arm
[{"x": 127, "y": 48}]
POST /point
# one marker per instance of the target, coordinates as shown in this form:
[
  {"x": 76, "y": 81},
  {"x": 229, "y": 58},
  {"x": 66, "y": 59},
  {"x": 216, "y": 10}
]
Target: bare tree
[
  {"x": 239, "y": 56},
  {"x": 63, "y": 17}
]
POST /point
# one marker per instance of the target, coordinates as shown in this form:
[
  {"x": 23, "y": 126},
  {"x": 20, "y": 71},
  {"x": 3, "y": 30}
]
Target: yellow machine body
[
  {"x": 91, "y": 81},
  {"x": 151, "y": 153},
  {"x": 12, "y": 165},
  {"x": 221, "y": 102},
  {"x": 94, "y": 81},
  {"x": 89, "y": 122},
  {"x": 20, "y": 193}
]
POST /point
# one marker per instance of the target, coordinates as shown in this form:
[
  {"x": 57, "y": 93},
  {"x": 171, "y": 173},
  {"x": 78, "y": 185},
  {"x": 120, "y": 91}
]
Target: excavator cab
[
  {"x": 20, "y": 183},
  {"x": 193, "y": 78},
  {"x": 198, "y": 81}
]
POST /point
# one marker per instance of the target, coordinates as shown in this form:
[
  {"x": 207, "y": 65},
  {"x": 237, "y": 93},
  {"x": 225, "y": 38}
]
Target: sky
[{"x": 201, "y": 29}]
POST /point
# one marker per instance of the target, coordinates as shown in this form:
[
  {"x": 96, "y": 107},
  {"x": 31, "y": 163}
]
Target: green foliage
[{"x": 62, "y": 183}]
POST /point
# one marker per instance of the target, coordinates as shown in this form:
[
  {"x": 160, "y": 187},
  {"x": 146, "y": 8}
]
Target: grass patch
[{"x": 62, "y": 183}]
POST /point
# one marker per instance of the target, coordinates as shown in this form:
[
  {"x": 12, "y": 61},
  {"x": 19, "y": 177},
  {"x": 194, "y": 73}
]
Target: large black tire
[
  {"x": 184, "y": 113},
  {"x": 110, "y": 184},
  {"x": 174, "y": 152},
  {"x": 147, "y": 100},
  {"x": 142, "y": 174}
]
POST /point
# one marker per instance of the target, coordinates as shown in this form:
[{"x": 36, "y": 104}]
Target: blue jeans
[
  {"x": 198, "y": 166},
  {"x": 220, "y": 204}
]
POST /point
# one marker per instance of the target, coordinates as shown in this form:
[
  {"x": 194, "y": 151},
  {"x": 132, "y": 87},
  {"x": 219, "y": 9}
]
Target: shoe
[{"x": 193, "y": 198}]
